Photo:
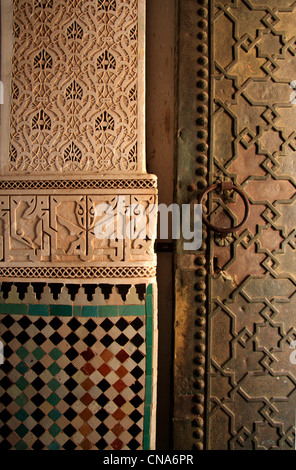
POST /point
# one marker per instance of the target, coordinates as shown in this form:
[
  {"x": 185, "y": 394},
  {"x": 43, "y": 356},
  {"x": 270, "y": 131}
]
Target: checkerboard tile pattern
[{"x": 72, "y": 383}]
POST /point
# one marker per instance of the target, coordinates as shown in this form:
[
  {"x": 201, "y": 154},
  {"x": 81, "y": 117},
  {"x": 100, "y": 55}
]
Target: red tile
[
  {"x": 117, "y": 430},
  {"x": 87, "y": 384},
  {"x": 122, "y": 356},
  {"x": 121, "y": 371},
  {"x": 118, "y": 414},
  {"x": 86, "y": 399},
  {"x": 85, "y": 429},
  {"x": 86, "y": 445},
  {"x": 119, "y": 386},
  {"x": 88, "y": 369},
  {"x": 88, "y": 354},
  {"x": 104, "y": 369},
  {"x": 106, "y": 355},
  {"x": 86, "y": 414},
  {"x": 117, "y": 444},
  {"x": 119, "y": 401}
]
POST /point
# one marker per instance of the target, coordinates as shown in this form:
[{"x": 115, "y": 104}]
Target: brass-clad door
[{"x": 235, "y": 327}]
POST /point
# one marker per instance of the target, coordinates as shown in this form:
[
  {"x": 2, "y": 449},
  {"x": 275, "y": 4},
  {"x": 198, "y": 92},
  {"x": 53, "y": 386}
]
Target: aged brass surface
[{"x": 245, "y": 327}]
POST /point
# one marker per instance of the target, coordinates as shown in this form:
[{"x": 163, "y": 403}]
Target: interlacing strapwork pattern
[{"x": 74, "y": 86}]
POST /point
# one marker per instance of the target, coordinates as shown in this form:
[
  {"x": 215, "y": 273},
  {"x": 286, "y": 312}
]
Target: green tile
[
  {"x": 21, "y": 445},
  {"x": 90, "y": 311},
  {"x": 61, "y": 310},
  {"x": 54, "y": 430},
  {"x": 77, "y": 310},
  {"x": 131, "y": 310},
  {"x": 21, "y": 400},
  {"x": 146, "y": 437},
  {"x": 22, "y": 383},
  {"x": 54, "y": 415},
  {"x": 39, "y": 310},
  {"x": 54, "y": 369},
  {"x": 14, "y": 309},
  {"x": 149, "y": 289},
  {"x": 22, "y": 368},
  {"x": 22, "y": 430},
  {"x": 53, "y": 399},
  {"x": 53, "y": 446},
  {"x": 149, "y": 306},
  {"x": 55, "y": 354},
  {"x": 149, "y": 331},
  {"x": 108, "y": 310},
  {"x": 54, "y": 385},
  {"x": 21, "y": 415},
  {"x": 148, "y": 390},
  {"x": 149, "y": 360},
  {"x": 22, "y": 352},
  {"x": 38, "y": 353}
]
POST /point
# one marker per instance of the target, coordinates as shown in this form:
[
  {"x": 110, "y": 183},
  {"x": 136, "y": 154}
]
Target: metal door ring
[{"x": 226, "y": 186}]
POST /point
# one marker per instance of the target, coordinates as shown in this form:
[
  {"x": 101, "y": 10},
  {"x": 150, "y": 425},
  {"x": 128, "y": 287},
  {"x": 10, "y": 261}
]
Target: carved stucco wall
[{"x": 77, "y": 313}]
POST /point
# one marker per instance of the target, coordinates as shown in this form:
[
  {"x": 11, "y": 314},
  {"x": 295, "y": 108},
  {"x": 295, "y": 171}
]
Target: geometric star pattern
[{"x": 72, "y": 383}]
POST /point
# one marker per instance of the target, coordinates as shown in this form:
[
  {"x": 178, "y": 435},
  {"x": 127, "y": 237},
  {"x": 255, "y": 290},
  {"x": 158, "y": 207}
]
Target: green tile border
[
  {"x": 39, "y": 310},
  {"x": 14, "y": 309},
  {"x": 132, "y": 310},
  {"x": 149, "y": 357}
]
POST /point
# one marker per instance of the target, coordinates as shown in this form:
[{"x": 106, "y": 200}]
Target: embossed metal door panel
[{"x": 241, "y": 376}]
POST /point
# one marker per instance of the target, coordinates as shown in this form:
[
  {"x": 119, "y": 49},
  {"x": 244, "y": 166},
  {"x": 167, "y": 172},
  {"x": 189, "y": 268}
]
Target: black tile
[
  {"x": 122, "y": 324},
  {"x": 90, "y": 325},
  {"x": 134, "y": 430},
  {"x": 102, "y": 400},
  {"x": 23, "y": 337},
  {"x": 106, "y": 325},
  {"x": 6, "y": 367},
  {"x": 102, "y": 429},
  {"x": 25, "y": 322},
  {"x": 7, "y": 337},
  {"x": 5, "y": 416},
  {"x": 40, "y": 324},
  {"x": 38, "y": 430},
  {"x": 72, "y": 354},
  {"x": 69, "y": 445},
  {"x": 137, "y": 340},
  {"x": 37, "y": 415},
  {"x": 8, "y": 352},
  {"x": 6, "y": 399},
  {"x": 74, "y": 324},
  {"x": 39, "y": 339},
  {"x": 133, "y": 444},
  {"x": 5, "y": 383},
  {"x": 135, "y": 416},
  {"x": 122, "y": 339},
  {"x": 137, "y": 356},
  {"x": 56, "y": 338},
  {"x": 7, "y": 321},
  {"x": 90, "y": 340},
  {"x": 70, "y": 399},
  {"x": 71, "y": 384},
  {"x": 70, "y": 370},
  {"x": 104, "y": 385},
  {"x": 69, "y": 430},
  {"x": 5, "y": 431},
  {"x": 56, "y": 323},
  {"x": 137, "y": 323},
  {"x": 38, "y": 445},
  {"x": 70, "y": 414},
  {"x": 136, "y": 401},
  {"x": 106, "y": 341},
  {"x": 137, "y": 372},
  {"x": 102, "y": 415},
  {"x": 5, "y": 445},
  {"x": 38, "y": 399},
  {"x": 72, "y": 338},
  {"x": 38, "y": 384},
  {"x": 38, "y": 368},
  {"x": 136, "y": 387},
  {"x": 101, "y": 444}
]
